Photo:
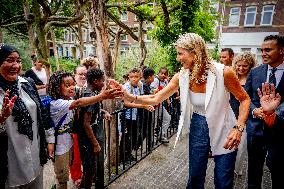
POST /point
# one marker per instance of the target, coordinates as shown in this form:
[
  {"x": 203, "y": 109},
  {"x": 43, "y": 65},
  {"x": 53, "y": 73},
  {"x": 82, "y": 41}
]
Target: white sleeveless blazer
[{"x": 218, "y": 112}]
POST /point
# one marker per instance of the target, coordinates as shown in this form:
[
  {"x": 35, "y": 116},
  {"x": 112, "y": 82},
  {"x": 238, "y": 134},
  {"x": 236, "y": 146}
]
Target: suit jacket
[{"x": 256, "y": 77}]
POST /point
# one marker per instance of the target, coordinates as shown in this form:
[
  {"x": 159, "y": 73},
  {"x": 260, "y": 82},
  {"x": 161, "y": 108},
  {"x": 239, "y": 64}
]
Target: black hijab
[{"x": 19, "y": 111}]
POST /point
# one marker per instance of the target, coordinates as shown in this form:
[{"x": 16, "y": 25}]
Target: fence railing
[{"x": 131, "y": 136}]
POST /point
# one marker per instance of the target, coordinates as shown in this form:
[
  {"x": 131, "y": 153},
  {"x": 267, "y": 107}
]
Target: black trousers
[
  {"x": 257, "y": 150},
  {"x": 3, "y": 159}
]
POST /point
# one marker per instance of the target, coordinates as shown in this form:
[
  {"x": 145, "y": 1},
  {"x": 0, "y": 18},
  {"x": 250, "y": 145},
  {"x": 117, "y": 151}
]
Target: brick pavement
[{"x": 166, "y": 168}]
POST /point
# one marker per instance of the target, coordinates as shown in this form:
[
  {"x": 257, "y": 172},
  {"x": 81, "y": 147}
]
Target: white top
[
  {"x": 197, "y": 99},
  {"x": 43, "y": 77},
  {"x": 58, "y": 108},
  {"x": 23, "y": 154}
]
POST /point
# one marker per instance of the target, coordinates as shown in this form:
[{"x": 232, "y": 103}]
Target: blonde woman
[
  {"x": 242, "y": 64},
  {"x": 205, "y": 89}
]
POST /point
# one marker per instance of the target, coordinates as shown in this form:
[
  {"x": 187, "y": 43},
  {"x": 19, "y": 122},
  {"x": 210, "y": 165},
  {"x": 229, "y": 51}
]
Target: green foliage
[
  {"x": 157, "y": 57},
  {"x": 9, "y": 9},
  {"x": 64, "y": 64},
  {"x": 59, "y": 33},
  {"x": 215, "y": 53},
  {"x": 22, "y": 45},
  {"x": 187, "y": 18}
]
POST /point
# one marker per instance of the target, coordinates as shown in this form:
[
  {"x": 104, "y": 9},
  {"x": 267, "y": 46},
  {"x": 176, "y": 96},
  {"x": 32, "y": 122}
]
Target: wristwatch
[{"x": 239, "y": 128}]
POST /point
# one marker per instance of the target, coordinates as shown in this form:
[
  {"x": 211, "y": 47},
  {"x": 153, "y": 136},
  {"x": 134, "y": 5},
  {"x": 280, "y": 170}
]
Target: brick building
[
  {"x": 69, "y": 47},
  {"x": 247, "y": 22}
]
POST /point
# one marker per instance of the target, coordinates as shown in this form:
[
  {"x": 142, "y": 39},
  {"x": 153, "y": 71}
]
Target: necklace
[{"x": 203, "y": 77}]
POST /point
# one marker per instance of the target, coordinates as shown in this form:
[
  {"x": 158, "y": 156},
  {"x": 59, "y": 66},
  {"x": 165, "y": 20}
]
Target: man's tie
[{"x": 272, "y": 78}]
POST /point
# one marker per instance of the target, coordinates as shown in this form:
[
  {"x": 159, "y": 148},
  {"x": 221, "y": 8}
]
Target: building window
[
  {"x": 123, "y": 16},
  {"x": 124, "y": 38},
  {"x": 234, "y": 16},
  {"x": 66, "y": 35},
  {"x": 250, "y": 16},
  {"x": 66, "y": 51},
  {"x": 267, "y": 15},
  {"x": 72, "y": 37}
]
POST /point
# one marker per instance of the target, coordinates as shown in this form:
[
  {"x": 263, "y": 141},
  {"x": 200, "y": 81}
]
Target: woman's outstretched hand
[
  {"x": 125, "y": 94},
  {"x": 268, "y": 99},
  {"x": 7, "y": 106},
  {"x": 233, "y": 139}
]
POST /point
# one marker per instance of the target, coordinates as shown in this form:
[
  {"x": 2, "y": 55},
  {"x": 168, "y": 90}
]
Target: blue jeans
[{"x": 199, "y": 146}]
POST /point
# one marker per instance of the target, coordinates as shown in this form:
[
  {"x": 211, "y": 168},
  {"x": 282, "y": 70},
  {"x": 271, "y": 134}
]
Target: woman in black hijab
[{"x": 23, "y": 145}]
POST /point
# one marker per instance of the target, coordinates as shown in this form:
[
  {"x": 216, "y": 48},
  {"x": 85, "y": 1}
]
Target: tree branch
[
  {"x": 75, "y": 32},
  {"x": 122, "y": 25},
  {"x": 12, "y": 24},
  {"x": 45, "y": 7},
  {"x": 13, "y": 18},
  {"x": 166, "y": 15},
  {"x": 56, "y": 8},
  {"x": 16, "y": 33},
  {"x": 135, "y": 4},
  {"x": 64, "y": 23}
]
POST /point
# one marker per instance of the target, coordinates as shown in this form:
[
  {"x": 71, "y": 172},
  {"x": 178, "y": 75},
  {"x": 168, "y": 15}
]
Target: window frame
[
  {"x": 246, "y": 16},
  {"x": 122, "y": 18},
  {"x": 126, "y": 38},
  {"x": 271, "y": 18},
  {"x": 239, "y": 16}
]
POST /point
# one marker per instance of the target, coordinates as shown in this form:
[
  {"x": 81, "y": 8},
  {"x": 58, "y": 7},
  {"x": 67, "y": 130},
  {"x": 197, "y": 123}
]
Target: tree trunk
[
  {"x": 55, "y": 49},
  {"x": 81, "y": 41},
  {"x": 142, "y": 45},
  {"x": 29, "y": 24},
  {"x": 101, "y": 28},
  {"x": 1, "y": 36},
  {"x": 40, "y": 40},
  {"x": 100, "y": 24},
  {"x": 116, "y": 50}
]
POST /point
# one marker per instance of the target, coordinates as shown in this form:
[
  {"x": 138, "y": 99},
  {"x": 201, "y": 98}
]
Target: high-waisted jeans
[{"x": 199, "y": 147}]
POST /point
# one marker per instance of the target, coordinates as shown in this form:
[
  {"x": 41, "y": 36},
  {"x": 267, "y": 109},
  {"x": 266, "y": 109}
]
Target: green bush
[
  {"x": 67, "y": 65},
  {"x": 156, "y": 58}
]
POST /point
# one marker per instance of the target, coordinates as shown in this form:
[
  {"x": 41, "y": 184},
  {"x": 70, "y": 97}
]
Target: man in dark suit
[
  {"x": 261, "y": 138},
  {"x": 274, "y": 119}
]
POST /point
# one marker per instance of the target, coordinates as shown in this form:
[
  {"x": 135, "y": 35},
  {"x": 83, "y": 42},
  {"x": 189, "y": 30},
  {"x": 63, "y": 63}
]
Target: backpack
[{"x": 46, "y": 102}]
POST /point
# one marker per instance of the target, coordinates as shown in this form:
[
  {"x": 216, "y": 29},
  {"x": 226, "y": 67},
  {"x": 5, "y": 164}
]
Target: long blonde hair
[
  {"x": 245, "y": 56},
  {"x": 195, "y": 43}
]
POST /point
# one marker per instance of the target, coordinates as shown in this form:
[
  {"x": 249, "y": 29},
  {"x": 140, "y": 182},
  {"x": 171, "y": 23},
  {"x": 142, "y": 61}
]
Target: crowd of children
[{"x": 76, "y": 111}]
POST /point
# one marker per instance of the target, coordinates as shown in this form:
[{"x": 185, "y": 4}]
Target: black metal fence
[{"x": 131, "y": 136}]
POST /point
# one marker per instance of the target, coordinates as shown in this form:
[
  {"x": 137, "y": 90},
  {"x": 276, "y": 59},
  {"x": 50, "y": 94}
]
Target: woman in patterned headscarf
[
  {"x": 205, "y": 89},
  {"x": 23, "y": 125}
]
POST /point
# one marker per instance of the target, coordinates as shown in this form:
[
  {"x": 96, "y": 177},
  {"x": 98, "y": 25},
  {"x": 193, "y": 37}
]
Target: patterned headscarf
[
  {"x": 19, "y": 112},
  {"x": 5, "y": 51}
]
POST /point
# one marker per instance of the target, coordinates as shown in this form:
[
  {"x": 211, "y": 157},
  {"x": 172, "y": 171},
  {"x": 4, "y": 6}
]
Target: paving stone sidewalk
[
  {"x": 164, "y": 168},
  {"x": 167, "y": 168}
]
